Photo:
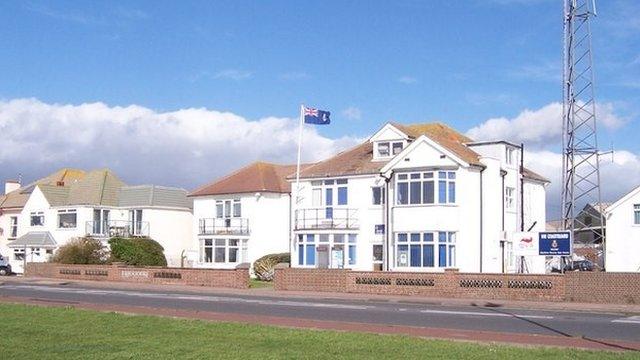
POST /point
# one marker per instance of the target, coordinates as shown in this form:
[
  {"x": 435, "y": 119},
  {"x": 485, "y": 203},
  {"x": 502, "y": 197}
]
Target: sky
[{"x": 179, "y": 93}]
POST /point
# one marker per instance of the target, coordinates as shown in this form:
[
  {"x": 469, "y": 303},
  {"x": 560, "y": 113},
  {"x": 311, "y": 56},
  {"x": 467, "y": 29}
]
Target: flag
[{"x": 315, "y": 116}]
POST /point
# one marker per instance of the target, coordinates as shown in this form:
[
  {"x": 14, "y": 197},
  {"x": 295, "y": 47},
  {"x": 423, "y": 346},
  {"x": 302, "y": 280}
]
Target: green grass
[
  {"x": 30, "y": 332},
  {"x": 255, "y": 283}
]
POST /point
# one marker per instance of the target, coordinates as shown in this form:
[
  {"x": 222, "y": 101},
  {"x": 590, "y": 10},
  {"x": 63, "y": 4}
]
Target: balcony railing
[
  {"x": 326, "y": 218},
  {"x": 221, "y": 226},
  {"x": 121, "y": 228}
]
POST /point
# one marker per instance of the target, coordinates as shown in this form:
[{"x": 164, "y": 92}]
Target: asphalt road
[{"x": 600, "y": 326}]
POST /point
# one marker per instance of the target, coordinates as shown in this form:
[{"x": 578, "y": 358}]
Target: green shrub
[
  {"x": 264, "y": 268},
  {"x": 81, "y": 251},
  {"x": 137, "y": 251}
]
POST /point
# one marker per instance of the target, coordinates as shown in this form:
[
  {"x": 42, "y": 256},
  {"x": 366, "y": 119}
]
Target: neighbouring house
[
  {"x": 95, "y": 204},
  {"x": 417, "y": 198},
  {"x": 622, "y": 241},
  {"x": 242, "y": 216}
]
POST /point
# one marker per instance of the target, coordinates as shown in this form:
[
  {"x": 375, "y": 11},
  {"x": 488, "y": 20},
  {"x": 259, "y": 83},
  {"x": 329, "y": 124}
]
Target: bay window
[
  {"x": 327, "y": 250},
  {"x": 420, "y": 188},
  {"x": 418, "y": 250},
  {"x": 223, "y": 251}
]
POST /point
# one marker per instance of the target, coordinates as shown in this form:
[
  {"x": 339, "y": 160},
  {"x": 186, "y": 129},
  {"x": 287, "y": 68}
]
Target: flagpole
[{"x": 299, "y": 152}]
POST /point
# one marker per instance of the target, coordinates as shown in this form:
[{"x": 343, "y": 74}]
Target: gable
[
  {"x": 36, "y": 201},
  {"x": 388, "y": 132},
  {"x": 424, "y": 154}
]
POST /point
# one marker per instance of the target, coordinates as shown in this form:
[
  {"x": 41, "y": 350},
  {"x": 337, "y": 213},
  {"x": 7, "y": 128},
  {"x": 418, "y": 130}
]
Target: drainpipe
[
  {"x": 386, "y": 221},
  {"x": 481, "y": 217}
]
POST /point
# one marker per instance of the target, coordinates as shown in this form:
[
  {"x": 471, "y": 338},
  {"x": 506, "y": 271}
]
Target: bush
[
  {"x": 137, "y": 251},
  {"x": 264, "y": 268},
  {"x": 81, "y": 251}
]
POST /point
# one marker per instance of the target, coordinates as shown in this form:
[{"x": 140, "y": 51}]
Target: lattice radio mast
[{"x": 580, "y": 167}]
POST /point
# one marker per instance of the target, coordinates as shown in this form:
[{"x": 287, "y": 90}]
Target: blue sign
[
  {"x": 379, "y": 229},
  {"x": 555, "y": 243}
]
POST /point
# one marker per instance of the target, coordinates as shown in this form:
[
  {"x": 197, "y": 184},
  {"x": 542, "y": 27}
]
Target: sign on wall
[
  {"x": 525, "y": 244},
  {"x": 379, "y": 229},
  {"x": 556, "y": 243}
]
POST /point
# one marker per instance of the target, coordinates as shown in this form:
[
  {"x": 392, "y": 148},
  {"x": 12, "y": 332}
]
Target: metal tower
[{"x": 580, "y": 167}]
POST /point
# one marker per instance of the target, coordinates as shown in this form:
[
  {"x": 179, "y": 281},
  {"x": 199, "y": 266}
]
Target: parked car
[
  {"x": 5, "y": 267},
  {"x": 576, "y": 265}
]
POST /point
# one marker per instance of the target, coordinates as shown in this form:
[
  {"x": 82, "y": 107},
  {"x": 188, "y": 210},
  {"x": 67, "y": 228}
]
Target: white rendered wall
[{"x": 623, "y": 237}]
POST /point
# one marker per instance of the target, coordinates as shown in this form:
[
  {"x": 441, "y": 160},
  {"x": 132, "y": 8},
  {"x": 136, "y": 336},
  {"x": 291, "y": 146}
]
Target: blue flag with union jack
[{"x": 315, "y": 116}]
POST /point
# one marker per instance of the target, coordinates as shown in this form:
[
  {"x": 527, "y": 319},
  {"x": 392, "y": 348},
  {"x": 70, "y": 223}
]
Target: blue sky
[{"x": 460, "y": 62}]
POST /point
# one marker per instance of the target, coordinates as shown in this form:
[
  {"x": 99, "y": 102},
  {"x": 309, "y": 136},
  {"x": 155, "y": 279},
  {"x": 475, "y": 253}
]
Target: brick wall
[
  {"x": 576, "y": 286},
  {"x": 230, "y": 278},
  {"x": 603, "y": 287}
]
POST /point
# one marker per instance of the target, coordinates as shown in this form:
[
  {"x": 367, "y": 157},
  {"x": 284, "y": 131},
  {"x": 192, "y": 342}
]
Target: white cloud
[
  {"x": 612, "y": 185},
  {"x": 233, "y": 74},
  {"x": 407, "y": 80},
  {"x": 540, "y": 127},
  {"x": 186, "y": 147},
  {"x": 352, "y": 113}
]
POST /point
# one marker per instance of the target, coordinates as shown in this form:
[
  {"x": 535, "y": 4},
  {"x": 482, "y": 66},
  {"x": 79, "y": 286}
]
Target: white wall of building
[{"x": 623, "y": 235}]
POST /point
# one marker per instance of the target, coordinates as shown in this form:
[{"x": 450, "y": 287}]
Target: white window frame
[
  {"x": 227, "y": 245},
  {"x": 37, "y": 214},
  {"x": 67, "y": 212},
  {"x": 509, "y": 153},
  {"x": 509, "y": 198},
  {"x": 423, "y": 177},
  {"x": 434, "y": 241},
  {"x": 13, "y": 227},
  {"x": 382, "y": 197},
  {"x": 346, "y": 240},
  {"x": 381, "y": 145},
  {"x": 636, "y": 214},
  {"x": 228, "y": 208}
]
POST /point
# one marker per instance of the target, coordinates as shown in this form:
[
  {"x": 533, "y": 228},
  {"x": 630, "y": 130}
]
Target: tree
[
  {"x": 137, "y": 251},
  {"x": 81, "y": 251}
]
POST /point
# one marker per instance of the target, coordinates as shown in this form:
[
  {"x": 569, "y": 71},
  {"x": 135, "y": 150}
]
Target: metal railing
[
  {"x": 222, "y": 226},
  {"x": 326, "y": 218},
  {"x": 113, "y": 228}
]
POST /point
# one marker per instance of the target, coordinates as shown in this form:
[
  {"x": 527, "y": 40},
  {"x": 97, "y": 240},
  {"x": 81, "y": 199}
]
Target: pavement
[{"x": 593, "y": 326}]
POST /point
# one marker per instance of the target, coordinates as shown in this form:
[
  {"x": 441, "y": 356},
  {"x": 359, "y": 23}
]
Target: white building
[
  {"x": 453, "y": 203},
  {"x": 622, "y": 240},
  {"x": 242, "y": 217},
  {"x": 72, "y": 203}
]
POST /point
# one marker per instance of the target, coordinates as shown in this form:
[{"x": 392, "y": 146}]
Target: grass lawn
[
  {"x": 30, "y": 332},
  {"x": 255, "y": 283}
]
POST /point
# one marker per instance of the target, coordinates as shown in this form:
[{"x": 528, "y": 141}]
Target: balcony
[
  {"x": 221, "y": 226},
  {"x": 119, "y": 228},
  {"x": 326, "y": 218}
]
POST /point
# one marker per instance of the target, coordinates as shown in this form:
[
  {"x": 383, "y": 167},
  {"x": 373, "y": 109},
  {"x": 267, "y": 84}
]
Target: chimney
[{"x": 11, "y": 185}]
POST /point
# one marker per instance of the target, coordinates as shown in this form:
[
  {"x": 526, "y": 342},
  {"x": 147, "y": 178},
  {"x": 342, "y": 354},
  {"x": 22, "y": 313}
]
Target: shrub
[
  {"x": 81, "y": 251},
  {"x": 137, "y": 251},
  {"x": 264, "y": 268}
]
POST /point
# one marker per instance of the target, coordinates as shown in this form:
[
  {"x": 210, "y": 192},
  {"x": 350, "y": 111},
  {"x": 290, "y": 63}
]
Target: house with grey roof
[{"x": 99, "y": 205}]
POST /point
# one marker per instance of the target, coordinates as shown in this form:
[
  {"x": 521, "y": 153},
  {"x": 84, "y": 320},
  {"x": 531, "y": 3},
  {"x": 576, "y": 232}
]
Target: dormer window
[{"x": 383, "y": 149}]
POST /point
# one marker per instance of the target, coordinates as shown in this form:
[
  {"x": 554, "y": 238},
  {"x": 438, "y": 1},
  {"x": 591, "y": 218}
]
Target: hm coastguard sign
[{"x": 555, "y": 243}]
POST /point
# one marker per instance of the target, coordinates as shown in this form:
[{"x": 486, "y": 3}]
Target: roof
[
  {"x": 152, "y": 195},
  {"x": 34, "y": 239},
  {"x": 98, "y": 187},
  {"x": 256, "y": 177},
  {"x": 18, "y": 198},
  {"x": 601, "y": 206},
  {"x": 528, "y": 174}
]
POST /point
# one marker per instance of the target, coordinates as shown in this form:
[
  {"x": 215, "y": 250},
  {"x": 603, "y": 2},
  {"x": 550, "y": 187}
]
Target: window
[
  {"x": 378, "y": 195},
  {"x": 100, "y": 222},
  {"x": 509, "y": 197},
  {"x": 225, "y": 251},
  {"x": 227, "y": 208},
  {"x": 418, "y": 249},
  {"x": 335, "y": 193},
  {"x": 420, "y": 188},
  {"x": 636, "y": 214},
  {"x": 135, "y": 217},
  {"x": 13, "y": 227},
  {"x": 37, "y": 218},
  {"x": 383, "y": 149},
  {"x": 343, "y": 249},
  {"x": 509, "y": 155},
  {"x": 67, "y": 219},
  {"x": 397, "y": 148},
  {"x": 316, "y": 198},
  {"x": 18, "y": 254}
]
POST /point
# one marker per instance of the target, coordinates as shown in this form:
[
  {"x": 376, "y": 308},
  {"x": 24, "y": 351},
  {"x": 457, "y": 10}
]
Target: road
[{"x": 600, "y": 327}]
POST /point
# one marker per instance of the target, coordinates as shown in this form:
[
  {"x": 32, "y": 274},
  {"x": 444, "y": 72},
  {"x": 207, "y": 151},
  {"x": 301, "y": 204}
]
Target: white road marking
[
  {"x": 475, "y": 313},
  {"x": 628, "y": 320}
]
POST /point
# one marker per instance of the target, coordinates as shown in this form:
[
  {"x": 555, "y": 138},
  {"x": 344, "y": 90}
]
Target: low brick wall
[
  {"x": 596, "y": 287},
  {"x": 603, "y": 287},
  {"x": 230, "y": 278}
]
